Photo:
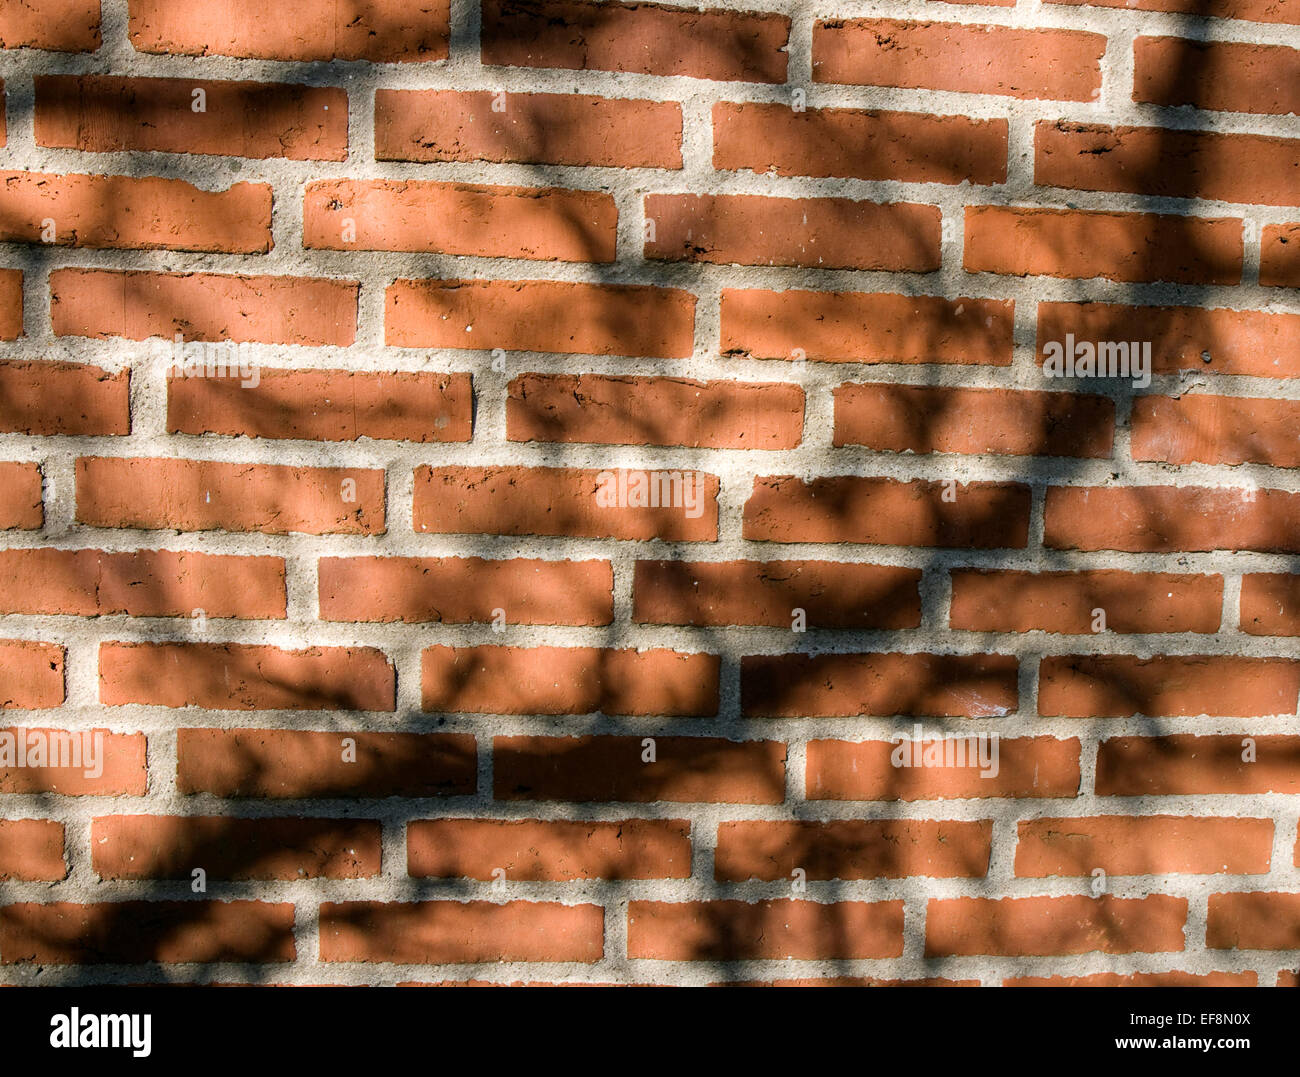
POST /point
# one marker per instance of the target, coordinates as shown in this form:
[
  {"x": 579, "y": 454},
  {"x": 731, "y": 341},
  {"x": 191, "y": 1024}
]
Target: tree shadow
[{"x": 864, "y": 670}]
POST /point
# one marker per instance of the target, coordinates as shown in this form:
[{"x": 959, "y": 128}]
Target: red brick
[
  {"x": 104, "y": 303},
  {"x": 850, "y": 685},
  {"x": 1002, "y": 600},
  {"x": 865, "y": 327},
  {"x": 281, "y": 763},
  {"x": 31, "y": 850},
  {"x": 925, "y": 419},
  {"x": 47, "y": 398},
  {"x": 1138, "y": 979},
  {"x": 1279, "y": 256},
  {"x": 1270, "y": 604},
  {"x": 1167, "y": 518},
  {"x": 858, "y": 144},
  {"x": 1228, "y": 75},
  {"x": 1063, "y": 65},
  {"x": 855, "y": 981},
  {"x": 140, "y": 932},
  {"x": 851, "y": 849},
  {"x": 518, "y": 983},
  {"x": 171, "y": 847},
  {"x": 455, "y": 932},
  {"x": 114, "y": 114},
  {"x": 208, "y": 495},
  {"x": 1143, "y": 845},
  {"x": 817, "y": 233},
  {"x": 21, "y": 507},
  {"x": 1216, "y": 430},
  {"x": 1245, "y": 342},
  {"x": 545, "y": 223},
  {"x": 31, "y": 676},
  {"x": 705, "y": 770},
  {"x": 244, "y": 677},
  {"x": 1253, "y": 10},
  {"x": 465, "y": 590},
  {"x": 561, "y": 501},
  {"x": 1186, "y": 765},
  {"x": 1119, "y": 686},
  {"x": 382, "y": 31},
  {"x": 11, "y": 288},
  {"x": 763, "y": 930},
  {"x": 648, "y": 39},
  {"x": 1167, "y": 163},
  {"x": 325, "y": 405},
  {"x": 1254, "y": 921},
  {"x": 1076, "y": 244},
  {"x": 887, "y": 512},
  {"x": 568, "y": 680},
  {"x": 592, "y": 408},
  {"x": 540, "y": 315},
  {"x": 533, "y": 128},
  {"x": 121, "y": 762},
  {"x": 722, "y": 593},
  {"x": 135, "y": 213},
  {"x": 533, "y": 850},
  {"x": 140, "y": 583},
  {"x": 1027, "y": 767},
  {"x": 57, "y": 25},
  {"x": 1033, "y": 926}
]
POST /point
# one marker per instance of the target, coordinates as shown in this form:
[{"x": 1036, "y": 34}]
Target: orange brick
[
  {"x": 1076, "y": 244},
  {"x": 592, "y": 408},
  {"x": 280, "y": 763},
  {"x": 851, "y": 849},
  {"x": 533, "y": 128},
  {"x": 550, "y": 851},
  {"x": 454, "y": 932},
  {"x": 858, "y": 144},
  {"x": 1002, "y": 600},
  {"x": 115, "y": 114},
  {"x": 1063, "y": 65},
  {"x": 568, "y": 680},
  {"x": 206, "y": 495},
  {"x": 134, "y": 213},
  {"x": 865, "y": 327},
  {"x": 648, "y": 39},
  {"x": 381, "y": 31},
  {"x": 103, "y": 303},
  {"x": 1027, "y": 767},
  {"x": 1027, "y": 927},
  {"x": 925, "y": 419},
  {"x": 818, "y": 233},
  {"x": 464, "y": 590},
  {"x": 763, "y": 930},
  {"x": 324, "y": 405},
  {"x": 545, "y": 223},
  {"x": 1143, "y": 845},
  {"x": 705, "y": 770},
  {"x": 141, "y": 583}
]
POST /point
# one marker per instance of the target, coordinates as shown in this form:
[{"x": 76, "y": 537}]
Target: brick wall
[{"x": 400, "y": 679}]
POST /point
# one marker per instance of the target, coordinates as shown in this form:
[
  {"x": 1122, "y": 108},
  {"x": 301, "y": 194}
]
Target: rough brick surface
[{"x": 640, "y": 492}]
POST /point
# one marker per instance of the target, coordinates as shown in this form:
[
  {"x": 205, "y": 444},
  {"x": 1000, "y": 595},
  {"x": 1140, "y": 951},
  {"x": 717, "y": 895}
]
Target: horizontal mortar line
[
  {"x": 820, "y": 376},
  {"x": 702, "y": 825},
  {"x": 141, "y": 718},
  {"x": 380, "y": 888},
  {"x": 507, "y": 548},
  {"x": 689, "y": 276},
  {"x": 807, "y": 462},
  {"x": 562, "y": 548},
  {"x": 757, "y": 640}
]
